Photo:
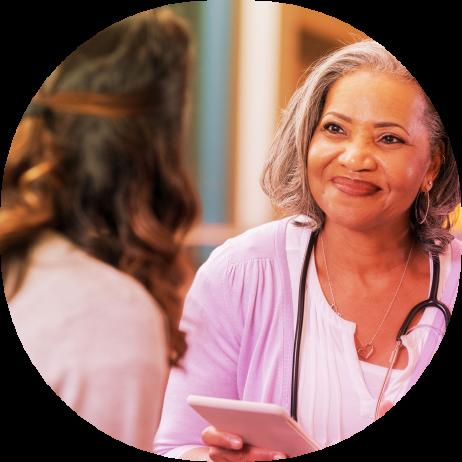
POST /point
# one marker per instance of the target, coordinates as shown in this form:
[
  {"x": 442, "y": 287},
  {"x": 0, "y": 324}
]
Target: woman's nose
[{"x": 358, "y": 154}]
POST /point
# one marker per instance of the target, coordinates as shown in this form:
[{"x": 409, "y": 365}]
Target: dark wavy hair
[
  {"x": 285, "y": 178},
  {"x": 98, "y": 157}
]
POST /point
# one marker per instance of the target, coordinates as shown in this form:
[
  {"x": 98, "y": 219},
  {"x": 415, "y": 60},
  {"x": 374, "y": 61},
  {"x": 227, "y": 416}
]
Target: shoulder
[
  {"x": 265, "y": 241},
  {"x": 251, "y": 265},
  {"x": 99, "y": 316},
  {"x": 79, "y": 285},
  {"x": 241, "y": 265},
  {"x": 258, "y": 249},
  {"x": 456, "y": 246}
]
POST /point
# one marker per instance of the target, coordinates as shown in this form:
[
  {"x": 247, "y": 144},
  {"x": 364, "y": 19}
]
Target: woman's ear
[{"x": 437, "y": 159}]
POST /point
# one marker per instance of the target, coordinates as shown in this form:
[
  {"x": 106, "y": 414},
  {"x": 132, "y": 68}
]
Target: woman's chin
[{"x": 354, "y": 221}]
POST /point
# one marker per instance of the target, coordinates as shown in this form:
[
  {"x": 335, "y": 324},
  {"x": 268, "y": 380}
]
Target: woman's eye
[
  {"x": 332, "y": 128},
  {"x": 391, "y": 139}
]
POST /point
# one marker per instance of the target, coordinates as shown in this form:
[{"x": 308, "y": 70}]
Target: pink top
[
  {"x": 239, "y": 318},
  {"x": 96, "y": 337}
]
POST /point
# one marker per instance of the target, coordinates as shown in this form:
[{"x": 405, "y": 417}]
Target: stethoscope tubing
[{"x": 432, "y": 301}]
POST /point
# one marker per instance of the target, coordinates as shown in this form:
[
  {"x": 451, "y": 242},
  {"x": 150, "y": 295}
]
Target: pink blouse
[{"x": 96, "y": 337}]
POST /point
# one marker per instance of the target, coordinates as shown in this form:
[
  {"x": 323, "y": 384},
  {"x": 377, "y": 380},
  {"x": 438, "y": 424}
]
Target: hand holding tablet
[{"x": 261, "y": 425}]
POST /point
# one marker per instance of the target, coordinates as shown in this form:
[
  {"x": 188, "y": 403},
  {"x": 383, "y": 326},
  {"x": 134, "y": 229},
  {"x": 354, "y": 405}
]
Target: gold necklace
[{"x": 364, "y": 352}]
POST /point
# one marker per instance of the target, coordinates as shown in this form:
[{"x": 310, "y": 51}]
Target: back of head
[{"x": 98, "y": 157}]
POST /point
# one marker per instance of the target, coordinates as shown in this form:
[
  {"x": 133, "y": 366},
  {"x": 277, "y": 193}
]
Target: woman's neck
[{"x": 366, "y": 253}]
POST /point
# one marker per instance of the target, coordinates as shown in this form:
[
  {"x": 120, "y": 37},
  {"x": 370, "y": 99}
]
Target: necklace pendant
[{"x": 366, "y": 351}]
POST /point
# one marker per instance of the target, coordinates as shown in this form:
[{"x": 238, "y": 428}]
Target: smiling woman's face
[{"x": 371, "y": 129}]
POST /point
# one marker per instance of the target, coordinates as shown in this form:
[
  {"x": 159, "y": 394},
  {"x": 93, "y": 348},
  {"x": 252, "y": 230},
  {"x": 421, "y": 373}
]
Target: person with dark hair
[
  {"x": 334, "y": 311},
  {"x": 96, "y": 202}
]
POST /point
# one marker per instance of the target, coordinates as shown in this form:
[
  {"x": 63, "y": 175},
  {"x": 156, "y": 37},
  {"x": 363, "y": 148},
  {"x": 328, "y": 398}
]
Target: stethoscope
[{"x": 432, "y": 301}]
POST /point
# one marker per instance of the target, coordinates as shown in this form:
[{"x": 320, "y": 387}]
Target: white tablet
[{"x": 263, "y": 425}]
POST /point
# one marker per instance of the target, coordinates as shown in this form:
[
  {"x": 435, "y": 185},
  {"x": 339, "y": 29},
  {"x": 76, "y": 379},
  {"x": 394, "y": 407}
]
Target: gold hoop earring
[{"x": 426, "y": 192}]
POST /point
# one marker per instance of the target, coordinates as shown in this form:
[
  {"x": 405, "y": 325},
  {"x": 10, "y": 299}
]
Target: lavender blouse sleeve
[{"x": 212, "y": 323}]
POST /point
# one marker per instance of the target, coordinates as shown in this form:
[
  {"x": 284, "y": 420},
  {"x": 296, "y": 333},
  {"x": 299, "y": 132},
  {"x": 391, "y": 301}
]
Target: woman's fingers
[
  {"x": 212, "y": 437},
  {"x": 227, "y": 447},
  {"x": 247, "y": 454}
]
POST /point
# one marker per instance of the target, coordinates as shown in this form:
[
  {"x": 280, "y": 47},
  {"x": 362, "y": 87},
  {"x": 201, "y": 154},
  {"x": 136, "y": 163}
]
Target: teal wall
[{"x": 212, "y": 25}]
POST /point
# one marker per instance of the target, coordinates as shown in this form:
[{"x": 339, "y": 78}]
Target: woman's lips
[{"x": 354, "y": 187}]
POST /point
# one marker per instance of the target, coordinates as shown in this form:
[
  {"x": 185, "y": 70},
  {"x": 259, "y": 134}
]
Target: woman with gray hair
[{"x": 364, "y": 172}]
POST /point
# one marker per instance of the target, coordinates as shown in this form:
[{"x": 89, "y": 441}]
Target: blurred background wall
[{"x": 249, "y": 59}]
